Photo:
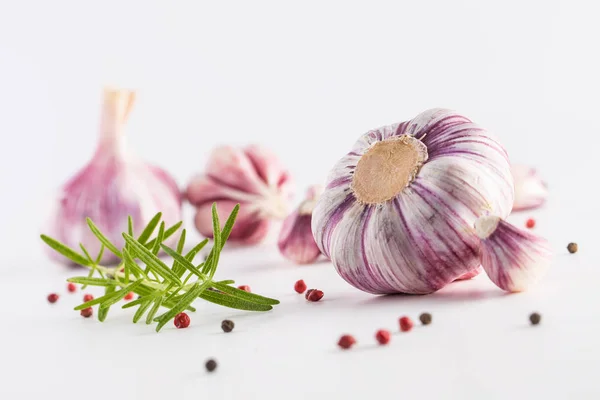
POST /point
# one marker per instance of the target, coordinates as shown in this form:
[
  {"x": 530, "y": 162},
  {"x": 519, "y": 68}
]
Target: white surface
[{"x": 306, "y": 80}]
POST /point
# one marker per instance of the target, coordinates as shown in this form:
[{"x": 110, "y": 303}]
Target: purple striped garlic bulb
[
  {"x": 398, "y": 210},
  {"x": 530, "y": 189},
  {"x": 115, "y": 184},
  {"x": 252, "y": 177},
  {"x": 513, "y": 258},
  {"x": 296, "y": 242}
]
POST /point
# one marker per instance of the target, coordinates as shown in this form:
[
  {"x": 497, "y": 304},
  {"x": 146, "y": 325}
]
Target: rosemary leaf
[
  {"x": 177, "y": 268},
  {"x": 183, "y": 261},
  {"x": 232, "y": 302},
  {"x": 141, "y": 310},
  {"x": 103, "y": 310},
  {"x": 110, "y": 298},
  {"x": 84, "y": 280},
  {"x": 229, "y": 225},
  {"x": 132, "y": 265},
  {"x": 85, "y": 252},
  {"x": 154, "y": 310},
  {"x": 152, "y": 261},
  {"x": 103, "y": 239},
  {"x": 243, "y": 295},
  {"x": 149, "y": 229},
  {"x": 130, "y": 225},
  {"x": 217, "y": 244},
  {"x": 168, "y": 233},
  {"x": 184, "y": 302},
  {"x": 227, "y": 282},
  {"x": 159, "y": 238},
  {"x": 100, "y": 254},
  {"x": 66, "y": 251}
]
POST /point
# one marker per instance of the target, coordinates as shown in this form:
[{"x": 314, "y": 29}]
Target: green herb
[{"x": 158, "y": 284}]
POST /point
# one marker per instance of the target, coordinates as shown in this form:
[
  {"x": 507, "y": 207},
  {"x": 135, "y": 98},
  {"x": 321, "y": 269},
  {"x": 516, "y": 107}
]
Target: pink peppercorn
[
  {"x": 71, "y": 287},
  {"x": 52, "y": 298},
  {"x": 87, "y": 312},
  {"x": 87, "y": 297},
  {"x": 406, "y": 324},
  {"x": 182, "y": 320},
  {"x": 346, "y": 341},
  {"x": 300, "y": 286},
  {"x": 314, "y": 295},
  {"x": 530, "y": 223},
  {"x": 383, "y": 336},
  {"x": 245, "y": 288},
  {"x": 128, "y": 296}
]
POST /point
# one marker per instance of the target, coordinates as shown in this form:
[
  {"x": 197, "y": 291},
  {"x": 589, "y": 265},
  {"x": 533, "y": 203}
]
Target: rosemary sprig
[{"x": 157, "y": 284}]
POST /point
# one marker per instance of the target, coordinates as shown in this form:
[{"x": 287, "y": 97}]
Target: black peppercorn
[
  {"x": 535, "y": 318},
  {"x": 227, "y": 325},
  {"x": 425, "y": 318},
  {"x": 572, "y": 247},
  {"x": 211, "y": 365}
]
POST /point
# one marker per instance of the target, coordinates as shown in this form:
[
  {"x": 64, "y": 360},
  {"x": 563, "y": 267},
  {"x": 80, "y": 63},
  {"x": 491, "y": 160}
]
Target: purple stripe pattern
[
  {"x": 513, "y": 258},
  {"x": 423, "y": 238}
]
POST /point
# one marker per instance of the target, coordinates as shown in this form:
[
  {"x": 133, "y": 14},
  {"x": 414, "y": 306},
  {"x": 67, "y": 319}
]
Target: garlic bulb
[
  {"x": 253, "y": 177},
  {"x": 115, "y": 184},
  {"x": 397, "y": 213},
  {"x": 296, "y": 241},
  {"x": 530, "y": 189},
  {"x": 513, "y": 259}
]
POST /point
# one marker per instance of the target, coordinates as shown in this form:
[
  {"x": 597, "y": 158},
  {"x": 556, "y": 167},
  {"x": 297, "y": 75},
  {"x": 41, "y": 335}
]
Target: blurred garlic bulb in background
[
  {"x": 115, "y": 184},
  {"x": 530, "y": 189},
  {"x": 398, "y": 210},
  {"x": 296, "y": 242},
  {"x": 251, "y": 176}
]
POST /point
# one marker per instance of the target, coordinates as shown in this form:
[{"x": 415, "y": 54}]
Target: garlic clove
[
  {"x": 531, "y": 190},
  {"x": 252, "y": 177},
  {"x": 115, "y": 184},
  {"x": 513, "y": 259},
  {"x": 296, "y": 242}
]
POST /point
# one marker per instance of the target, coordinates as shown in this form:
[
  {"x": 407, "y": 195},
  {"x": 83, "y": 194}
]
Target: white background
[{"x": 305, "y": 79}]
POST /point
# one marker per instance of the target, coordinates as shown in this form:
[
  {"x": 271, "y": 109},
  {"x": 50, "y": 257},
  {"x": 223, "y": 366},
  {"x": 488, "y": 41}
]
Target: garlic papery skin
[
  {"x": 251, "y": 176},
  {"x": 296, "y": 242},
  {"x": 512, "y": 258},
  {"x": 397, "y": 212},
  {"x": 115, "y": 184},
  {"x": 531, "y": 190}
]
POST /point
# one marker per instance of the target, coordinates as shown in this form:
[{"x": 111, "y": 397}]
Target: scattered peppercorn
[
  {"x": 383, "y": 336},
  {"x": 308, "y": 293},
  {"x": 52, "y": 298},
  {"x": 314, "y": 295},
  {"x": 182, "y": 320},
  {"x": 71, "y": 287},
  {"x": 227, "y": 325},
  {"x": 535, "y": 318},
  {"x": 300, "y": 286},
  {"x": 87, "y": 312},
  {"x": 346, "y": 341},
  {"x": 128, "y": 296},
  {"x": 211, "y": 365},
  {"x": 87, "y": 297},
  {"x": 572, "y": 247},
  {"x": 425, "y": 318},
  {"x": 406, "y": 324},
  {"x": 530, "y": 223},
  {"x": 245, "y": 288}
]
